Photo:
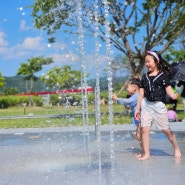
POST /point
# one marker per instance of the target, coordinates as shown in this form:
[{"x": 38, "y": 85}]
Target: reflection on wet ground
[{"x": 78, "y": 158}]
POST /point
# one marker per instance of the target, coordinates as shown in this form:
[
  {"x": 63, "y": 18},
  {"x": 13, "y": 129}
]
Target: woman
[{"x": 151, "y": 106}]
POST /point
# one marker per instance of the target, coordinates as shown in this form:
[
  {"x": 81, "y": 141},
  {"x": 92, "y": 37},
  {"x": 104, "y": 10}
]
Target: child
[
  {"x": 172, "y": 115},
  {"x": 151, "y": 106},
  {"x": 132, "y": 87}
]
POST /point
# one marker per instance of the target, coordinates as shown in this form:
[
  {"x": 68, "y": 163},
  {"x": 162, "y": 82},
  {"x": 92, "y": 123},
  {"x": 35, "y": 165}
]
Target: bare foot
[
  {"x": 177, "y": 153},
  {"x": 178, "y": 161},
  {"x": 144, "y": 157},
  {"x": 138, "y": 155}
]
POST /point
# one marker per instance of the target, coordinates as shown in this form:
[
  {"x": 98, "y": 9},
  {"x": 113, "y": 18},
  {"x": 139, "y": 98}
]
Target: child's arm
[
  {"x": 171, "y": 93},
  {"x": 114, "y": 97},
  {"x": 123, "y": 101}
]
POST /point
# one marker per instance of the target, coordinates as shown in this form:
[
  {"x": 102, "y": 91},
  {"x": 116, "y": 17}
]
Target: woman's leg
[
  {"x": 146, "y": 143},
  {"x": 172, "y": 138}
]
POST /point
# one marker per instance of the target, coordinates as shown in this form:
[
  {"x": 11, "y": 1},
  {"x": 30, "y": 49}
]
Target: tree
[
  {"x": 135, "y": 26},
  {"x": 119, "y": 64},
  {"x": 62, "y": 77},
  {"x": 2, "y": 80},
  {"x": 173, "y": 55},
  {"x": 10, "y": 91},
  {"x": 29, "y": 69},
  {"x": 182, "y": 40},
  {"x": 122, "y": 64}
]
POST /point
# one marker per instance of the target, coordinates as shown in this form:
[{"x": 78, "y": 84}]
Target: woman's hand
[
  {"x": 137, "y": 115},
  {"x": 175, "y": 96},
  {"x": 171, "y": 94}
]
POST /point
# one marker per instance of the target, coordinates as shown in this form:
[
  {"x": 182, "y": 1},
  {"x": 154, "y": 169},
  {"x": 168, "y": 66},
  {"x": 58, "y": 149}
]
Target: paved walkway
[{"x": 74, "y": 156}]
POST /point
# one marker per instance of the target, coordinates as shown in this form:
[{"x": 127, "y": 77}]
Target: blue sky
[{"x": 20, "y": 41}]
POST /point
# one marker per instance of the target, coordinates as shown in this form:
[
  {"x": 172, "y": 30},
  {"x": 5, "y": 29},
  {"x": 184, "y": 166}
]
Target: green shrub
[
  {"x": 15, "y": 101},
  {"x": 91, "y": 97},
  {"x": 54, "y": 99},
  {"x": 37, "y": 100},
  {"x": 4, "y": 103},
  {"x": 10, "y": 91}
]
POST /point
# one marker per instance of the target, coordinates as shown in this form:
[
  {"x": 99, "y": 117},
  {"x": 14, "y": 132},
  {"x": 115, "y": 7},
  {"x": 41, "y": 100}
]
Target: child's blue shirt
[{"x": 131, "y": 102}]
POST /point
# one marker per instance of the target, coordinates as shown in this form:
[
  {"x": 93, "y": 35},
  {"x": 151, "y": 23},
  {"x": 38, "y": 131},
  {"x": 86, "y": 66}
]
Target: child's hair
[
  {"x": 136, "y": 75},
  {"x": 134, "y": 81},
  {"x": 162, "y": 64}
]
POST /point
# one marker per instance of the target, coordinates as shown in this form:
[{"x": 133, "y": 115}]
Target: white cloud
[
  {"x": 3, "y": 42},
  {"x": 74, "y": 60},
  {"x": 65, "y": 59},
  {"x": 60, "y": 52},
  {"x": 30, "y": 47},
  {"x": 32, "y": 43},
  {"x": 59, "y": 46},
  {"x": 23, "y": 26}
]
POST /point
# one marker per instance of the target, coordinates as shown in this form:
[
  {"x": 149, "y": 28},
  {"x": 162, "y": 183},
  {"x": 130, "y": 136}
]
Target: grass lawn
[{"x": 121, "y": 118}]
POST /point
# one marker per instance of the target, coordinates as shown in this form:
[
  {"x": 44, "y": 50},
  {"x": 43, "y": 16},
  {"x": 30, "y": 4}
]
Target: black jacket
[{"x": 154, "y": 86}]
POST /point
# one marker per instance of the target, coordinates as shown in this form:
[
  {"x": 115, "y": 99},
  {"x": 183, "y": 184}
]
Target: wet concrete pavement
[{"x": 74, "y": 156}]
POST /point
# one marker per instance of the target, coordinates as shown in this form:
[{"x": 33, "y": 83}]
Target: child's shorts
[{"x": 154, "y": 112}]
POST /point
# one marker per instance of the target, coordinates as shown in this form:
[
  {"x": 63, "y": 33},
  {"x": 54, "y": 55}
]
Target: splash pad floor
[{"x": 74, "y": 156}]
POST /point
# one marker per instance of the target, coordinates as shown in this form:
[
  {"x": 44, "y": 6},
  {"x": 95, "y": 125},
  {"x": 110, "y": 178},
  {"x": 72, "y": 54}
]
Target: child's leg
[
  {"x": 146, "y": 143},
  {"x": 139, "y": 138},
  {"x": 172, "y": 138},
  {"x": 139, "y": 135}
]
